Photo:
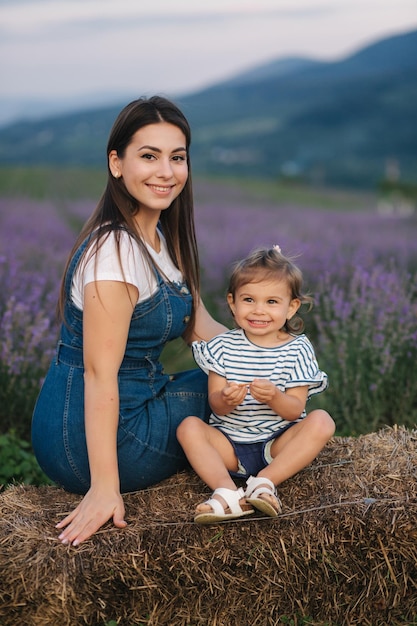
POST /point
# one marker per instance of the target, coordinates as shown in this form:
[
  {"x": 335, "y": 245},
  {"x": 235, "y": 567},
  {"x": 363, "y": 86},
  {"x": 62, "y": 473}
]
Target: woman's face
[{"x": 154, "y": 167}]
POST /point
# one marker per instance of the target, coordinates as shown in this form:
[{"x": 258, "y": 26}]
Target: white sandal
[
  {"x": 256, "y": 486},
  {"x": 219, "y": 513}
]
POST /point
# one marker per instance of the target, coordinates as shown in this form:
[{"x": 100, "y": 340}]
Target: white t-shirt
[{"x": 135, "y": 268}]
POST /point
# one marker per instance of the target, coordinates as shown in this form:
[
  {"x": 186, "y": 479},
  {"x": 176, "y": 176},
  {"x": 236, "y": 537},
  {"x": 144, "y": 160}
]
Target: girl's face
[
  {"x": 154, "y": 167},
  {"x": 261, "y": 310}
]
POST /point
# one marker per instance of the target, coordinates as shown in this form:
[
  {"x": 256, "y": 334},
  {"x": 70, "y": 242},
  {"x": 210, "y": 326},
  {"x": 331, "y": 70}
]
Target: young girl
[
  {"x": 260, "y": 377},
  {"x": 106, "y": 417}
]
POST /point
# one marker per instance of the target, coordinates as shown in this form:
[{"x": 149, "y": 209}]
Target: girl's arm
[
  {"x": 108, "y": 307},
  {"x": 223, "y": 396},
  {"x": 289, "y": 404},
  {"x": 205, "y": 327}
]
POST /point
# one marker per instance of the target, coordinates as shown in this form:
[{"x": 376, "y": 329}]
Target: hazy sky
[{"x": 76, "y": 50}]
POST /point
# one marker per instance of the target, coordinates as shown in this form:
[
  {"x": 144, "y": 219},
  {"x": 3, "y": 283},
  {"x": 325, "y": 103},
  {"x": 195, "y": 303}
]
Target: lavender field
[{"x": 360, "y": 264}]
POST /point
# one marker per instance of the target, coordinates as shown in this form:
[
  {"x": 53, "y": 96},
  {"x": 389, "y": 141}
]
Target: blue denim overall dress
[{"x": 152, "y": 404}]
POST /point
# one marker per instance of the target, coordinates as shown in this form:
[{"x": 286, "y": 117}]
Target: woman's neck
[{"x": 146, "y": 225}]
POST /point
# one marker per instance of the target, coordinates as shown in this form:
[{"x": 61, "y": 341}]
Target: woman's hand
[{"x": 94, "y": 510}]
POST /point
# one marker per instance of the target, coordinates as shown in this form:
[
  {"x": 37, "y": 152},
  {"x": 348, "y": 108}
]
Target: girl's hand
[
  {"x": 263, "y": 390},
  {"x": 94, "y": 510},
  {"x": 233, "y": 394}
]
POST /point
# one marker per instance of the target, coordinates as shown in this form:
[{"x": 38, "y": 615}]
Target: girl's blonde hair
[{"x": 271, "y": 264}]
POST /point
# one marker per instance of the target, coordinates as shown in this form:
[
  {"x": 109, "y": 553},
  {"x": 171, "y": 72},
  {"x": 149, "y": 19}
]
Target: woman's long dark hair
[{"x": 117, "y": 208}]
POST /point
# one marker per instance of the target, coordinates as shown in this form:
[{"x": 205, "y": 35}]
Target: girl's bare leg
[
  {"x": 209, "y": 453},
  {"x": 298, "y": 446}
]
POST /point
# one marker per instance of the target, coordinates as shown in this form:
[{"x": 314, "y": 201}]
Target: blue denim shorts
[{"x": 253, "y": 457}]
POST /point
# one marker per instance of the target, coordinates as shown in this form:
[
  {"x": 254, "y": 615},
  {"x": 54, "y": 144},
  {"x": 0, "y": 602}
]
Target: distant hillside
[
  {"x": 337, "y": 123},
  {"x": 332, "y": 122},
  {"x": 272, "y": 70}
]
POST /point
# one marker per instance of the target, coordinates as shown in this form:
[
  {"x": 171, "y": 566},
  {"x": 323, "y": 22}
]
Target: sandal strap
[
  {"x": 256, "y": 485},
  {"x": 215, "y": 505},
  {"x": 230, "y": 496}
]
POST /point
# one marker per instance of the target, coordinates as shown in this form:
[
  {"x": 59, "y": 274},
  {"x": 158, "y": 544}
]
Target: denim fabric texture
[
  {"x": 152, "y": 403},
  {"x": 253, "y": 457}
]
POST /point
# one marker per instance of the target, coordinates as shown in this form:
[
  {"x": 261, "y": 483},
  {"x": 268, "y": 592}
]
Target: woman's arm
[
  {"x": 108, "y": 307},
  {"x": 205, "y": 327}
]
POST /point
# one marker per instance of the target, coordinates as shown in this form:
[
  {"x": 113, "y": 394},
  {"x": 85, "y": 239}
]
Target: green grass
[
  {"x": 41, "y": 183},
  {"x": 74, "y": 183},
  {"x": 18, "y": 463},
  {"x": 297, "y": 193},
  {"x": 177, "y": 357}
]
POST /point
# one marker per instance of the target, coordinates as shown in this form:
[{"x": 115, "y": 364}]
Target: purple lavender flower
[{"x": 360, "y": 266}]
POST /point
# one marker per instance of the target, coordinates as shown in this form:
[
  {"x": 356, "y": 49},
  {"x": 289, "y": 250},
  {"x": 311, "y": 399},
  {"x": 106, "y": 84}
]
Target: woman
[{"x": 106, "y": 417}]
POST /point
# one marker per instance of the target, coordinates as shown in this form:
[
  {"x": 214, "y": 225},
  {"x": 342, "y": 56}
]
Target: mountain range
[{"x": 346, "y": 123}]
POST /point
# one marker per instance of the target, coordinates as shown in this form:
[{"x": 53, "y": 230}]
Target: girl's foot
[
  {"x": 261, "y": 493},
  {"x": 225, "y": 504}
]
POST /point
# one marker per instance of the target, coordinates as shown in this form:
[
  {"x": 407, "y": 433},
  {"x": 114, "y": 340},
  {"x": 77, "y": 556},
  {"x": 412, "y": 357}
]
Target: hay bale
[{"x": 344, "y": 550}]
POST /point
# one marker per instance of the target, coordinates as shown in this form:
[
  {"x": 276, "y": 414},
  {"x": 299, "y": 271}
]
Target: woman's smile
[{"x": 160, "y": 189}]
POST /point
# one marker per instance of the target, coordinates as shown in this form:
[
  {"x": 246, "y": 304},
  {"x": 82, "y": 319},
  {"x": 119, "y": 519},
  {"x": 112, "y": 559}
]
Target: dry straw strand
[{"x": 343, "y": 552}]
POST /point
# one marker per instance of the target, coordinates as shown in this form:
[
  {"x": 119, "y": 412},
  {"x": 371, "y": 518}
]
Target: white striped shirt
[{"x": 238, "y": 360}]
